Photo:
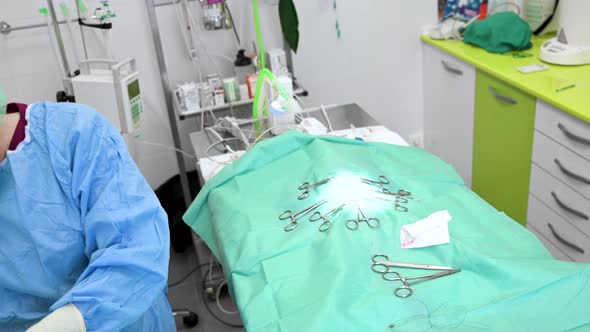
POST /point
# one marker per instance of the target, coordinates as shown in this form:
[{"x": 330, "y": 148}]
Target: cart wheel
[
  {"x": 61, "y": 97},
  {"x": 191, "y": 320}
]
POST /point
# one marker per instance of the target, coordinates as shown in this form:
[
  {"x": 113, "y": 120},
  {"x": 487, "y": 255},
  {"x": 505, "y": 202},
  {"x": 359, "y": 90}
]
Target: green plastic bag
[
  {"x": 307, "y": 280},
  {"x": 500, "y": 33}
]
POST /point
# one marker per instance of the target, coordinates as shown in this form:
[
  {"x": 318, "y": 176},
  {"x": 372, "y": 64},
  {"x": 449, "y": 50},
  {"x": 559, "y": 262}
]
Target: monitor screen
[{"x": 133, "y": 89}]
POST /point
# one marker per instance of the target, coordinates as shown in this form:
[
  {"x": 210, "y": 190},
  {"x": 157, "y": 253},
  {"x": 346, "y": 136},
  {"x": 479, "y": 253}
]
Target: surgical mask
[{"x": 2, "y": 105}]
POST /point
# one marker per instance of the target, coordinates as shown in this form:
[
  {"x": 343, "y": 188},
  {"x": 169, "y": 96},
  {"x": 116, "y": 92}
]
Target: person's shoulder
[
  {"x": 66, "y": 114},
  {"x": 69, "y": 118},
  {"x": 66, "y": 125}
]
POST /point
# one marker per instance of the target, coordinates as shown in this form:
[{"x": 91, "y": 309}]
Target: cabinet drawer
[
  {"x": 562, "y": 199},
  {"x": 449, "y": 97},
  {"x": 558, "y": 231},
  {"x": 556, "y": 252},
  {"x": 563, "y": 128},
  {"x": 502, "y": 146},
  {"x": 562, "y": 163}
]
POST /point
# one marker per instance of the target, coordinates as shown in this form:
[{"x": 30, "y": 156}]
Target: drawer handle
[
  {"x": 570, "y": 173},
  {"x": 573, "y": 136},
  {"x": 564, "y": 241},
  {"x": 567, "y": 208},
  {"x": 451, "y": 69},
  {"x": 502, "y": 97}
]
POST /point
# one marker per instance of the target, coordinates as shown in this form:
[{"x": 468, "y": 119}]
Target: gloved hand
[{"x": 66, "y": 319}]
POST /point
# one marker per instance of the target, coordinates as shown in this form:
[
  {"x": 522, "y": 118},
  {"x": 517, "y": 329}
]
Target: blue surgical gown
[{"x": 79, "y": 224}]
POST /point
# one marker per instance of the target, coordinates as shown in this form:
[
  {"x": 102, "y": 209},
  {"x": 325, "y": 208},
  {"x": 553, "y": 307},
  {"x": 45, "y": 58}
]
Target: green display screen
[{"x": 133, "y": 89}]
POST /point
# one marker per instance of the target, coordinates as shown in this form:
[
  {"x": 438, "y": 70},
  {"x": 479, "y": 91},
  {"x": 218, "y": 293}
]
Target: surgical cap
[{"x": 2, "y": 104}]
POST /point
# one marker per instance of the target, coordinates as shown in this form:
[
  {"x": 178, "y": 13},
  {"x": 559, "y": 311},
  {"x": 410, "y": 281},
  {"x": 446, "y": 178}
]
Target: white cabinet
[
  {"x": 449, "y": 100},
  {"x": 559, "y": 201}
]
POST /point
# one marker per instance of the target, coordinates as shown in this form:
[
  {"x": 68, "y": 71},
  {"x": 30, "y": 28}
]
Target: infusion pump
[{"x": 112, "y": 88}]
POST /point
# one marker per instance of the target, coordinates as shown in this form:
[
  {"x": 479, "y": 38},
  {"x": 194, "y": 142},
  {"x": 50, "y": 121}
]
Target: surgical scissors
[
  {"x": 353, "y": 224},
  {"x": 306, "y": 187},
  {"x": 380, "y": 183},
  {"x": 291, "y": 225},
  {"x": 327, "y": 224},
  {"x": 382, "y": 265}
]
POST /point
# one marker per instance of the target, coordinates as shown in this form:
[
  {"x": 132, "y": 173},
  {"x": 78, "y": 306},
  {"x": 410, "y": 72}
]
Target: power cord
[
  {"x": 138, "y": 140},
  {"x": 183, "y": 279},
  {"x": 207, "y": 305},
  {"x": 213, "y": 314},
  {"x": 218, "y": 295}
]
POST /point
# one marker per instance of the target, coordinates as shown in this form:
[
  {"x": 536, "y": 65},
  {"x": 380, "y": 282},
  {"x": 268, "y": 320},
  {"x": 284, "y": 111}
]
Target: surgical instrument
[
  {"x": 353, "y": 224},
  {"x": 382, "y": 265},
  {"x": 396, "y": 203},
  {"x": 380, "y": 183},
  {"x": 326, "y": 224},
  {"x": 399, "y": 194},
  {"x": 294, "y": 217},
  {"x": 307, "y": 187}
]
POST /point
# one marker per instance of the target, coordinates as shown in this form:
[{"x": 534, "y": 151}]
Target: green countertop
[{"x": 542, "y": 84}]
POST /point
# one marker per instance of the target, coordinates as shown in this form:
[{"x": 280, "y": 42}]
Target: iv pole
[{"x": 169, "y": 102}]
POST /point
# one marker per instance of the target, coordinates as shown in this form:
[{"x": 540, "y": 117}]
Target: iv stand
[{"x": 60, "y": 42}]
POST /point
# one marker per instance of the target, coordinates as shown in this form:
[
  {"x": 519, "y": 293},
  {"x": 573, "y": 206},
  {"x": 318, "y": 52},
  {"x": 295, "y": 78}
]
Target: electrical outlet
[{"x": 417, "y": 140}]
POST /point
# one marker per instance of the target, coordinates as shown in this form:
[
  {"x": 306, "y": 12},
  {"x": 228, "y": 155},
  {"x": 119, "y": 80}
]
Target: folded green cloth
[{"x": 500, "y": 33}]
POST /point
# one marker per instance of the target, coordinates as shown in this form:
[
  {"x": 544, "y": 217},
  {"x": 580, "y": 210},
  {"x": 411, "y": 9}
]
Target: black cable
[
  {"x": 176, "y": 283},
  {"x": 224, "y": 322}
]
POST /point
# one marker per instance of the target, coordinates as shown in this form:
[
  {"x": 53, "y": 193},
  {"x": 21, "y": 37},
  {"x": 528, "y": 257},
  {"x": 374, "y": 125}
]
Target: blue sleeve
[{"x": 126, "y": 230}]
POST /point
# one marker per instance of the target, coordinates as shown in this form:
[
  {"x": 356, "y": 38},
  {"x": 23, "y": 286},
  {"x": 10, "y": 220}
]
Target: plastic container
[
  {"x": 287, "y": 83},
  {"x": 537, "y": 11},
  {"x": 219, "y": 97},
  {"x": 280, "y": 117},
  {"x": 497, "y": 6},
  {"x": 244, "y": 93},
  {"x": 231, "y": 89}
]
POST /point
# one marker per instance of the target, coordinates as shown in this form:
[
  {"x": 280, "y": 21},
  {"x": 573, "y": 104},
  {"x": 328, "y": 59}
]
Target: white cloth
[
  {"x": 430, "y": 231},
  {"x": 213, "y": 165},
  {"x": 313, "y": 126},
  {"x": 65, "y": 319}
]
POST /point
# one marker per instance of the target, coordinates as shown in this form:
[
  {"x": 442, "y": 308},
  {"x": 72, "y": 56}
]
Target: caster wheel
[
  {"x": 61, "y": 97},
  {"x": 191, "y": 320}
]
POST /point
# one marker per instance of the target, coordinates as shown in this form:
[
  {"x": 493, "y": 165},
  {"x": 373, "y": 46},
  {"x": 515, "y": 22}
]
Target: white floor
[{"x": 186, "y": 296}]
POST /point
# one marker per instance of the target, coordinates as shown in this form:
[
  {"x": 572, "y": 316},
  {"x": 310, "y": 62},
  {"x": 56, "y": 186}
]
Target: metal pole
[
  {"x": 60, "y": 42},
  {"x": 169, "y": 102},
  {"x": 159, "y": 3},
  {"x": 6, "y": 28},
  {"x": 82, "y": 30}
]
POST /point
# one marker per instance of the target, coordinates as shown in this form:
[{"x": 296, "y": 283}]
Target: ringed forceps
[
  {"x": 382, "y": 265},
  {"x": 396, "y": 203},
  {"x": 353, "y": 224},
  {"x": 400, "y": 194},
  {"x": 380, "y": 183},
  {"x": 326, "y": 224},
  {"x": 306, "y": 187},
  {"x": 294, "y": 217}
]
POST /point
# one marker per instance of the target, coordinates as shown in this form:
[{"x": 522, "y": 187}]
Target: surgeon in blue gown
[{"x": 84, "y": 242}]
